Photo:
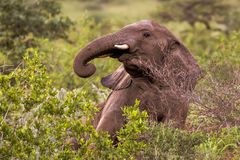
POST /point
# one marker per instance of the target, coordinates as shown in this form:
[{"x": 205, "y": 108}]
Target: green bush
[
  {"x": 23, "y": 20},
  {"x": 217, "y": 102},
  {"x": 36, "y": 119},
  {"x": 221, "y": 145},
  {"x": 166, "y": 142}
]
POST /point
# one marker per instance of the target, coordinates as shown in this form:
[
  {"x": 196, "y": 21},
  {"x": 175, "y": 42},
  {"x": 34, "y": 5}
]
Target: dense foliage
[
  {"x": 43, "y": 104},
  {"x": 37, "y": 119},
  {"x": 21, "y": 21}
]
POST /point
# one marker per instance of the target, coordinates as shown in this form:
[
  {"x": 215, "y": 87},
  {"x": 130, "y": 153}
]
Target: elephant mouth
[
  {"x": 116, "y": 53},
  {"x": 125, "y": 54},
  {"x": 119, "y": 51}
]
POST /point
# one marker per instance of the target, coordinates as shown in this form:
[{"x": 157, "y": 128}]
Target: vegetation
[
  {"x": 37, "y": 119},
  {"x": 22, "y": 21},
  {"x": 203, "y": 11},
  {"x": 43, "y": 103}
]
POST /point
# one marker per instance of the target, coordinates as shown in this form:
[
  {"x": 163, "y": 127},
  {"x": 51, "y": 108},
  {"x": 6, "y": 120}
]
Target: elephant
[{"x": 156, "y": 69}]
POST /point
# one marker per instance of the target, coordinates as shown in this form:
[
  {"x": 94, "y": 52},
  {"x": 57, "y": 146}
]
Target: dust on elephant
[{"x": 157, "y": 69}]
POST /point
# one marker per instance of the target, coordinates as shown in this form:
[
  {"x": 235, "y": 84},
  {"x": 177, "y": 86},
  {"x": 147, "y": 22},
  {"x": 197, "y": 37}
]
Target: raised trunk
[{"x": 94, "y": 49}]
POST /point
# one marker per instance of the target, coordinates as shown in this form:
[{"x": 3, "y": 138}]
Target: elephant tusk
[{"x": 121, "y": 46}]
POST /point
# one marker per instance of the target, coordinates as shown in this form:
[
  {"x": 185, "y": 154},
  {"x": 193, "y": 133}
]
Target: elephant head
[{"x": 147, "y": 50}]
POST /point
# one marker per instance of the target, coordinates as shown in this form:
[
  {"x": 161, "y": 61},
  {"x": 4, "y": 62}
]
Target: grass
[{"x": 127, "y": 10}]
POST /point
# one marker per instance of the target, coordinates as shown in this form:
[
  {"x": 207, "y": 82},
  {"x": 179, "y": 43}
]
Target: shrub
[
  {"x": 36, "y": 119},
  {"x": 166, "y": 142},
  {"x": 220, "y": 145},
  {"x": 217, "y": 95},
  {"x": 23, "y": 20}
]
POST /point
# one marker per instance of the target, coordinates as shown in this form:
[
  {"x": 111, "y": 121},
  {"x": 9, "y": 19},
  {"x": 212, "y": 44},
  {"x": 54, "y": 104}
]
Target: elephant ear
[
  {"x": 118, "y": 80},
  {"x": 184, "y": 68}
]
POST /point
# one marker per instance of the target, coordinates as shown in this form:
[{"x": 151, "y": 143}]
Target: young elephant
[{"x": 157, "y": 69}]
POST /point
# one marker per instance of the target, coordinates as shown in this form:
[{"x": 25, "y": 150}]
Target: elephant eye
[
  {"x": 174, "y": 45},
  {"x": 146, "y": 34}
]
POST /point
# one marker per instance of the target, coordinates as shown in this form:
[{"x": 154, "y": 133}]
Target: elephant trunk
[{"x": 97, "y": 48}]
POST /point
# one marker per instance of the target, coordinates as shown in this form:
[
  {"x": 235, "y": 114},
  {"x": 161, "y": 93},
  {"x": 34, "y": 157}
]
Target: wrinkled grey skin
[{"x": 157, "y": 70}]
